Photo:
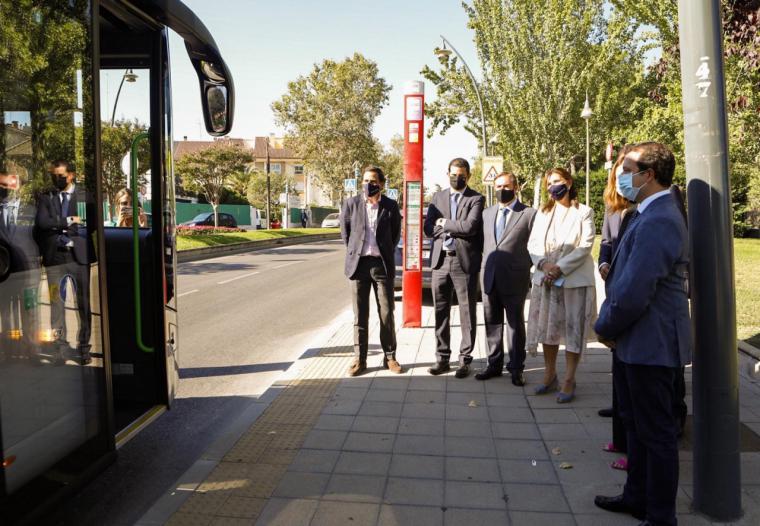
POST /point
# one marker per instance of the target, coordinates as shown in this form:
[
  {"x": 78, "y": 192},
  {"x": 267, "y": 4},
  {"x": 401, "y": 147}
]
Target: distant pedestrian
[
  {"x": 370, "y": 226},
  {"x": 563, "y": 296},
  {"x": 505, "y": 277},
  {"x": 646, "y": 318},
  {"x": 304, "y": 218},
  {"x": 454, "y": 221}
]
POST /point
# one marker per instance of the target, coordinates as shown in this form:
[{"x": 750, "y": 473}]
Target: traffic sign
[
  {"x": 349, "y": 185},
  {"x": 609, "y": 151},
  {"x": 392, "y": 193},
  {"x": 492, "y": 167}
]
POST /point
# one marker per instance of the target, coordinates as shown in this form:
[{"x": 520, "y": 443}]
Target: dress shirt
[
  {"x": 646, "y": 202},
  {"x": 9, "y": 212},
  {"x": 511, "y": 208},
  {"x": 370, "y": 247}
]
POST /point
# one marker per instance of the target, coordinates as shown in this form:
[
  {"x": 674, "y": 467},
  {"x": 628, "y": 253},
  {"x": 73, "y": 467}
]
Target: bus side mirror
[
  {"x": 217, "y": 108},
  {"x": 217, "y": 96}
]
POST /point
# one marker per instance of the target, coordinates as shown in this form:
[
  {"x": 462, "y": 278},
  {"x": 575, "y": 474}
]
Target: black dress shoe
[
  {"x": 606, "y": 412},
  {"x": 488, "y": 373},
  {"x": 439, "y": 368},
  {"x": 518, "y": 379},
  {"x": 463, "y": 371},
  {"x": 618, "y": 504}
]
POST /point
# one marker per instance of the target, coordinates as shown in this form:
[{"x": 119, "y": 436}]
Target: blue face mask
[{"x": 624, "y": 185}]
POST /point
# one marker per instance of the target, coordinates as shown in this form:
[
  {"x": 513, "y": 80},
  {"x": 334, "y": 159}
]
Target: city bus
[{"x": 88, "y": 312}]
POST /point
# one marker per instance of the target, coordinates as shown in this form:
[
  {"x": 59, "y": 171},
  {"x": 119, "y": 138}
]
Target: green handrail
[{"x": 136, "y": 240}]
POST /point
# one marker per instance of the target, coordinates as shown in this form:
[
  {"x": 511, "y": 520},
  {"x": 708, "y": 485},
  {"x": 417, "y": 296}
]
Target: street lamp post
[
  {"x": 269, "y": 190},
  {"x": 445, "y": 52},
  {"x": 130, "y": 77},
  {"x": 586, "y": 115}
]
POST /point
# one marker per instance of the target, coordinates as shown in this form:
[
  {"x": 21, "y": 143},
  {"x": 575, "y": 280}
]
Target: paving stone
[
  {"x": 468, "y": 428},
  {"x": 563, "y": 431},
  {"x": 243, "y": 507},
  {"x": 299, "y": 485},
  {"x": 464, "y": 412},
  {"x": 471, "y": 517},
  {"x": 349, "y": 393},
  {"x": 510, "y": 414},
  {"x": 419, "y": 445},
  {"x": 464, "y": 399},
  {"x": 598, "y": 471},
  {"x": 425, "y": 397},
  {"x": 342, "y": 407},
  {"x": 398, "y": 383},
  {"x": 525, "y": 472},
  {"x": 555, "y": 416},
  {"x": 580, "y": 450},
  {"x": 369, "y": 442},
  {"x": 355, "y": 488},
  {"x": 287, "y": 512},
  {"x": 580, "y": 497},
  {"x": 331, "y": 513},
  {"x": 472, "y": 469},
  {"x": 385, "y": 395},
  {"x": 417, "y": 466},
  {"x": 324, "y": 439},
  {"x": 363, "y": 463},
  {"x": 375, "y": 424},
  {"x": 542, "y": 519},
  {"x": 402, "y": 515},
  {"x": 421, "y": 426},
  {"x": 381, "y": 409},
  {"x": 479, "y": 495},
  {"x": 512, "y": 430},
  {"x": 231, "y": 521},
  {"x": 415, "y": 410},
  {"x": 505, "y": 400},
  {"x": 335, "y": 422},
  {"x": 521, "y": 449},
  {"x": 427, "y": 383},
  {"x": 535, "y": 497},
  {"x": 181, "y": 518},
  {"x": 314, "y": 460},
  {"x": 470, "y": 447},
  {"x": 414, "y": 491},
  {"x": 464, "y": 385}
]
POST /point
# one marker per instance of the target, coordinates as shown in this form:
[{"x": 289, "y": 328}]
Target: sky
[{"x": 266, "y": 44}]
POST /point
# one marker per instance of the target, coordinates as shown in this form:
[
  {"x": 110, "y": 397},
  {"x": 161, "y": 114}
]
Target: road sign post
[
  {"x": 414, "y": 103},
  {"x": 492, "y": 166}
]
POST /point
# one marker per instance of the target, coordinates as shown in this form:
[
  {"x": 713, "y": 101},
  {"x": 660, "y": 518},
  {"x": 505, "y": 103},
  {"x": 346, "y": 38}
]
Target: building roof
[{"x": 277, "y": 151}]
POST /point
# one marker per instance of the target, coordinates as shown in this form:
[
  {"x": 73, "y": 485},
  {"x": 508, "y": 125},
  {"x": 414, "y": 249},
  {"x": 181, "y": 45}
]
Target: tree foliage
[
  {"x": 209, "y": 171},
  {"x": 115, "y": 143},
  {"x": 391, "y": 160},
  {"x": 328, "y": 117},
  {"x": 256, "y": 190}
]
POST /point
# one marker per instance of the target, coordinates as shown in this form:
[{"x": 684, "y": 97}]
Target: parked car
[
  {"x": 427, "y": 244},
  {"x": 207, "y": 219},
  {"x": 275, "y": 224},
  {"x": 331, "y": 221}
]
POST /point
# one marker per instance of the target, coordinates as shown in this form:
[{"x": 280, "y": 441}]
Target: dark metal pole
[
  {"x": 116, "y": 102},
  {"x": 717, "y": 480},
  {"x": 269, "y": 192}
]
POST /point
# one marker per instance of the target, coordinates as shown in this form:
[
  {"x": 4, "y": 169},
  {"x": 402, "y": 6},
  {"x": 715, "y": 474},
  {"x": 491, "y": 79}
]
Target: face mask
[
  {"x": 624, "y": 186},
  {"x": 505, "y": 195},
  {"x": 558, "y": 191},
  {"x": 60, "y": 182},
  {"x": 370, "y": 189},
  {"x": 458, "y": 182}
]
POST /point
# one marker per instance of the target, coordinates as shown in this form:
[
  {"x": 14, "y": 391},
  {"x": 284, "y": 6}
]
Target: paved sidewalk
[{"x": 417, "y": 450}]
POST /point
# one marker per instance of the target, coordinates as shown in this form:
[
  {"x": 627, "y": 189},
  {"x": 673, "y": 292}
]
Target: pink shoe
[{"x": 621, "y": 464}]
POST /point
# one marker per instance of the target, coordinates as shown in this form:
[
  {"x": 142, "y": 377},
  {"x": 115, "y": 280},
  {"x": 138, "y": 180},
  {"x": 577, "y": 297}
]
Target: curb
[
  {"x": 195, "y": 254},
  {"x": 176, "y": 495},
  {"x": 749, "y": 350}
]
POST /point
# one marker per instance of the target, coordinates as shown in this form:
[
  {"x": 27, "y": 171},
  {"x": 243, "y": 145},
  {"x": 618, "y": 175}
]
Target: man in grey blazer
[
  {"x": 370, "y": 226},
  {"x": 505, "y": 276},
  {"x": 454, "y": 220}
]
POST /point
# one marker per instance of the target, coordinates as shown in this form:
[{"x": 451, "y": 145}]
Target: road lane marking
[
  {"x": 286, "y": 264},
  {"x": 236, "y": 278},
  {"x": 188, "y": 292}
]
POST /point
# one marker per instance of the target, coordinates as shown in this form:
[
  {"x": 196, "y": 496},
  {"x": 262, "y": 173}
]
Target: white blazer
[{"x": 577, "y": 234}]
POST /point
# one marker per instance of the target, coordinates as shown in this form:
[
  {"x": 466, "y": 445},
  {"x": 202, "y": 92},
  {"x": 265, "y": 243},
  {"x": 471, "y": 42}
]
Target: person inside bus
[
  {"x": 18, "y": 286},
  {"x": 67, "y": 252},
  {"x": 124, "y": 207}
]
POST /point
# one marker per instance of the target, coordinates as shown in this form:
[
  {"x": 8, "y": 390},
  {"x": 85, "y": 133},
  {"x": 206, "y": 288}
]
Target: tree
[
  {"x": 256, "y": 191},
  {"x": 115, "y": 143},
  {"x": 209, "y": 171},
  {"x": 538, "y": 60},
  {"x": 328, "y": 117},
  {"x": 391, "y": 160}
]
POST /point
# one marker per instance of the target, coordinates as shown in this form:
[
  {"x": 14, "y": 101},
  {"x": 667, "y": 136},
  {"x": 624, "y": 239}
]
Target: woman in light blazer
[{"x": 563, "y": 293}]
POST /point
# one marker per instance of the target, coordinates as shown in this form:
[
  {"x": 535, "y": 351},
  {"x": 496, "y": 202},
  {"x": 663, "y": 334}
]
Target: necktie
[
  {"x": 501, "y": 223},
  {"x": 64, "y": 204},
  {"x": 448, "y": 242},
  {"x": 455, "y": 206}
]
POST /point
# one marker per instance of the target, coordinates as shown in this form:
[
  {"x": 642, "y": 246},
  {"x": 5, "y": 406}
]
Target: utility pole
[
  {"x": 269, "y": 191},
  {"x": 717, "y": 480}
]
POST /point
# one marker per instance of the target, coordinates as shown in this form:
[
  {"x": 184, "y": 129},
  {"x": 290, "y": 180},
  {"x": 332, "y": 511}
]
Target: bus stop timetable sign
[{"x": 413, "y": 227}]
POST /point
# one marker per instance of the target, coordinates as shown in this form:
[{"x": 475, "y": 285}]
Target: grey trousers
[
  {"x": 495, "y": 306},
  {"x": 371, "y": 275},
  {"x": 67, "y": 267},
  {"x": 446, "y": 281}
]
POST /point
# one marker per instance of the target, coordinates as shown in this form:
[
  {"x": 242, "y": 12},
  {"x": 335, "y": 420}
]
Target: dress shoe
[
  {"x": 518, "y": 379},
  {"x": 606, "y": 412},
  {"x": 545, "y": 388},
  {"x": 392, "y": 365},
  {"x": 439, "y": 368},
  {"x": 566, "y": 398},
  {"x": 356, "y": 368},
  {"x": 618, "y": 504},
  {"x": 488, "y": 373},
  {"x": 463, "y": 371}
]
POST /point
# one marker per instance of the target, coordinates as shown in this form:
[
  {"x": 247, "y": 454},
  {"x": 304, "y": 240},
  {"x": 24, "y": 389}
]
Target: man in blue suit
[{"x": 646, "y": 315}]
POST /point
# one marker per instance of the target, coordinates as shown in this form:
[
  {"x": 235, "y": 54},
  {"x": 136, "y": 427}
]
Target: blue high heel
[
  {"x": 543, "y": 389},
  {"x": 564, "y": 398}
]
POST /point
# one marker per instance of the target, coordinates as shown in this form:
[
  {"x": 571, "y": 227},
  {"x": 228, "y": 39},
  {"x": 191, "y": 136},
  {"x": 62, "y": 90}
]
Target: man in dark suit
[
  {"x": 370, "y": 226},
  {"x": 67, "y": 252},
  {"x": 505, "y": 276},
  {"x": 18, "y": 288},
  {"x": 454, "y": 221},
  {"x": 646, "y": 318}
]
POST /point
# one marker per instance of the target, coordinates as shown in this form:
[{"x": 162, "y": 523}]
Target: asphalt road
[{"x": 243, "y": 320}]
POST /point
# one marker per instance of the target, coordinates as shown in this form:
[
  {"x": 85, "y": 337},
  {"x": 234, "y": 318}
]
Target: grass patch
[{"x": 213, "y": 240}]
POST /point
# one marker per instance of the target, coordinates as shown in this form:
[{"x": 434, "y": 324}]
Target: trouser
[
  {"x": 65, "y": 266},
  {"x": 495, "y": 305},
  {"x": 646, "y": 396},
  {"x": 446, "y": 280},
  {"x": 371, "y": 275},
  {"x": 618, "y": 427}
]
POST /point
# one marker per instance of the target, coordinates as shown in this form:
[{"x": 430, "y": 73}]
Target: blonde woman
[
  {"x": 563, "y": 294},
  {"x": 124, "y": 209}
]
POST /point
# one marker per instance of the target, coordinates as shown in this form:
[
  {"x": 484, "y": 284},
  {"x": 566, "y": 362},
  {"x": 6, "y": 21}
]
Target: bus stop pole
[
  {"x": 412, "y": 260},
  {"x": 715, "y": 387}
]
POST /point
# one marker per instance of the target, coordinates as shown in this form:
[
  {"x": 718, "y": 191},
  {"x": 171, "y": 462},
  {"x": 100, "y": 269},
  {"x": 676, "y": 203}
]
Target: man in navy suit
[{"x": 646, "y": 316}]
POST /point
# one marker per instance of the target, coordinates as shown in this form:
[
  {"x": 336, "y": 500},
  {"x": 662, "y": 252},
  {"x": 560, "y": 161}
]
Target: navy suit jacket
[
  {"x": 647, "y": 310},
  {"x": 353, "y": 219}
]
